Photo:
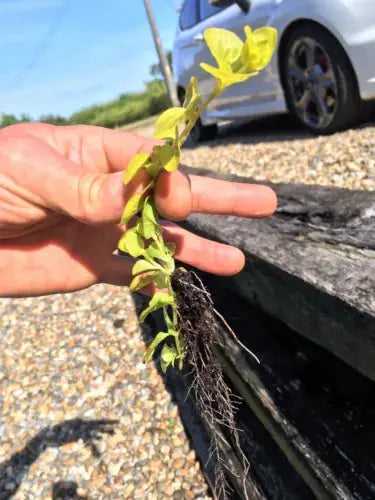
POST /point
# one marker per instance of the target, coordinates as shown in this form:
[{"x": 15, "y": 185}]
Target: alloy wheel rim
[{"x": 312, "y": 82}]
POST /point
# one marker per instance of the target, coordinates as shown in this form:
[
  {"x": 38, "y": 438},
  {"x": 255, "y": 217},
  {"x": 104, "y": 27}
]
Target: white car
[{"x": 323, "y": 68}]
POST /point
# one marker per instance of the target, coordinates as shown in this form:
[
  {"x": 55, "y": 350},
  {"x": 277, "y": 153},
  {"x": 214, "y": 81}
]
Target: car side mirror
[{"x": 244, "y": 5}]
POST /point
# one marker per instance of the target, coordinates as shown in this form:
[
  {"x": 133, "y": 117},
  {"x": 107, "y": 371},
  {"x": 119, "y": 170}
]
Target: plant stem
[
  {"x": 175, "y": 323},
  {"x": 217, "y": 90},
  {"x": 155, "y": 264}
]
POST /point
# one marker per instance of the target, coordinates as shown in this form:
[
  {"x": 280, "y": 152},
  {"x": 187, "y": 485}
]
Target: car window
[
  {"x": 208, "y": 10},
  {"x": 189, "y": 14}
]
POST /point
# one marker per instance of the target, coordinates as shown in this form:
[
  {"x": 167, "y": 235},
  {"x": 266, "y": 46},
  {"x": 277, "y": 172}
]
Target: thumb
[
  {"x": 88, "y": 196},
  {"x": 97, "y": 198},
  {"x": 100, "y": 198}
]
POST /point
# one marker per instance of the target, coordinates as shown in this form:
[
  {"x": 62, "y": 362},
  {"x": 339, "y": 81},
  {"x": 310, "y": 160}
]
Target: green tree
[
  {"x": 7, "y": 119},
  {"x": 155, "y": 69},
  {"x": 54, "y": 119}
]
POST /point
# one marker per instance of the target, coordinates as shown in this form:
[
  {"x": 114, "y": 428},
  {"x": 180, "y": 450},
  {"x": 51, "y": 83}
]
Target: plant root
[{"x": 214, "y": 400}]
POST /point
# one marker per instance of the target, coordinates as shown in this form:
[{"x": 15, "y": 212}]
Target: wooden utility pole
[{"x": 166, "y": 70}]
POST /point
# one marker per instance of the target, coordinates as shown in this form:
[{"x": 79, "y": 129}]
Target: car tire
[
  {"x": 201, "y": 133},
  {"x": 208, "y": 132},
  {"x": 319, "y": 82}
]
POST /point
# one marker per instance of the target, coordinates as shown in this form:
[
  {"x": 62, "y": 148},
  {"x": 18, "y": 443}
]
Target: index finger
[
  {"x": 220, "y": 197},
  {"x": 178, "y": 195}
]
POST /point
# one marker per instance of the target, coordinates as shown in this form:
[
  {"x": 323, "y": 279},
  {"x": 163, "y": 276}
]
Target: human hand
[{"x": 62, "y": 195}]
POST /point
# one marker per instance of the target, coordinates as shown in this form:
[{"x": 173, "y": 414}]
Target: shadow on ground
[{"x": 13, "y": 470}]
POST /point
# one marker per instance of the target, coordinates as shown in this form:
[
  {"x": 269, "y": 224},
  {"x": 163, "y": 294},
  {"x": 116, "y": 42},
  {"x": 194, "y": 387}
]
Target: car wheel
[
  {"x": 319, "y": 83},
  {"x": 195, "y": 134},
  {"x": 208, "y": 132},
  {"x": 201, "y": 133}
]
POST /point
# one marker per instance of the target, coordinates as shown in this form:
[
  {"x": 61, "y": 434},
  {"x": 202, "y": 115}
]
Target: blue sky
[{"x": 58, "y": 56}]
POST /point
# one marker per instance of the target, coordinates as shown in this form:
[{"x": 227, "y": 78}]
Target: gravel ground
[
  {"x": 273, "y": 150},
  {"x": 69, "y": 366}
]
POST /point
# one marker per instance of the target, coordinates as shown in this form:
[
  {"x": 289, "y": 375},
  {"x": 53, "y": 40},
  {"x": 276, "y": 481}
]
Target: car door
[
  {"x": 236, "y": 100},
  {"x": 187, "y": 44}
]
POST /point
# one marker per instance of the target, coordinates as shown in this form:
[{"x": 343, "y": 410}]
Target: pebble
[
  {"x": 137, "y": 417},
  {"x": 165, "y": 449},
  {"x": 178, "y": 463}
]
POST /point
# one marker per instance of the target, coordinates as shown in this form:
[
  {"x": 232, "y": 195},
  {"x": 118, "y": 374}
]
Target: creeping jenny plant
[{"x": 237, "y": 61}]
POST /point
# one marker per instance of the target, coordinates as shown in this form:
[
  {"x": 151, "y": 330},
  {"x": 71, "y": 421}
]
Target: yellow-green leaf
[
  {"x": 158, "y": 300},
  {"x": 136, "y": 163},
  {"x": 142, "y": 266},
  {"x": 168, "y": 356},
  {"x": 168, "y": 156},
  {"x": 171, "y": 247},
  {"x": 149, "y": 224},
  {"x": 168, "y": 320},
  {"x": 154, "y": 344},
  {"x": 153, "y": 169},
  {"x": 227, "y": 78},
  {"x": 168, "y": 121},
  {"x": 132, "y": 243},
  {"x": 142, "y": 280},
  {"x": 155, "y": 252},
  {"x": 170, "y": 265},
  {"x": 192, "y": 98},
  {"x": 238, "y": 61},
  {"x": 161, "y": 280},
  {"x": 225, "y": 46},
  {"x": 133, "y": 206},
  {"x": 258, "y": 48}
]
